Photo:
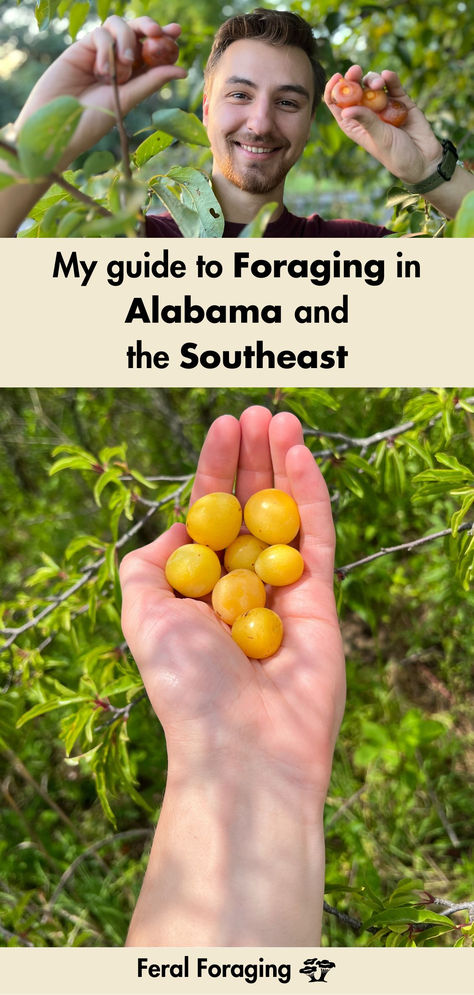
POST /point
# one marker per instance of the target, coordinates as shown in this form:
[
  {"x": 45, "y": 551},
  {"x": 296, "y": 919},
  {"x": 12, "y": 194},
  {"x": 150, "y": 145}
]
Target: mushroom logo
[{"x": 312, "y": 964}]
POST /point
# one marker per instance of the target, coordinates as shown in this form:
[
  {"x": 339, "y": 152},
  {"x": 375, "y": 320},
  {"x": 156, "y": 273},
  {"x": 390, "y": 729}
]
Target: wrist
[
  {"x": 246, "y": 855},
  {"x": 437, "y": 172}
]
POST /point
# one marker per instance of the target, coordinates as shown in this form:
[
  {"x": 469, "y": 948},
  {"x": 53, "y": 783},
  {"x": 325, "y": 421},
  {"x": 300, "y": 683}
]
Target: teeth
[{"x": 255, "y": 148}]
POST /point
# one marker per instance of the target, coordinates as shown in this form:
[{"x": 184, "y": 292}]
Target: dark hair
[{"x": 277, "y": 27}]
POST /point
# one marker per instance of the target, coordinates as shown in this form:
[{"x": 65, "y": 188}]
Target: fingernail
[{"x": 128, "y": 55}]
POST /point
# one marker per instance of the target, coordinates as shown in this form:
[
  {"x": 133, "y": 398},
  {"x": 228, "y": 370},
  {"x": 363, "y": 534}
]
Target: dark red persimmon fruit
[
  {"x": 347, "y": 93},
  {"x": 394, "y": 113},
  {"x": 159, "y": 51}
]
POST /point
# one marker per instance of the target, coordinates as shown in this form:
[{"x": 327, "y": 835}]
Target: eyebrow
[{"x": 284, "y": 88}]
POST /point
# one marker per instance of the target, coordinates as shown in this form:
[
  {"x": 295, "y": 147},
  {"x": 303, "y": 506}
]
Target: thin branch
[
  {"x": 450, "y": 832},
  {"x": 117, "y": 713},
  {"x": 450, "y": 908},
  {"x": 364, "y": 443},
  {"x": 118, "y": 115},
  {"x": 90, "y": 852},
  {"x": 345, "y": 805},
  {"x": 87, "y": 573},
  {"x": 7, "y": 935},
  {"x": 20, "y": 768},
  {"x": 79, "y": 195},
  {"x": 408, "y": 546},
  {"x": 58, "y": 178},
  {"x": 343, "y": 917}
]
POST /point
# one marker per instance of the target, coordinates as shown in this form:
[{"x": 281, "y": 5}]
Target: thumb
[{"x": 361, "y": 119}]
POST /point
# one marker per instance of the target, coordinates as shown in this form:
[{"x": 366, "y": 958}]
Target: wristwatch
[{"x": 443, "y": 172}]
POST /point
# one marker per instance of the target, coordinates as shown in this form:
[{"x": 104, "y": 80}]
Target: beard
[{"x": 252, "y": 177}]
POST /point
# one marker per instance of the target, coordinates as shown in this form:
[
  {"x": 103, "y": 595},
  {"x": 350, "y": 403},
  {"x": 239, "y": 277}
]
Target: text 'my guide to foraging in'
[{"x": 353, "y": 312}]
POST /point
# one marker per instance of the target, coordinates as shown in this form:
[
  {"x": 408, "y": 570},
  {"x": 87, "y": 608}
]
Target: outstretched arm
[
  {"x": 84, "y": 71},
  {"x": 411, "y": 152},
  {"x": 238, "y": 855}
]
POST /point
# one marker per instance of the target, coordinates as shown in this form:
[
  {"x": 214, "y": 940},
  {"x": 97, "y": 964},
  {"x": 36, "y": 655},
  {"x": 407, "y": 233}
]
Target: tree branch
[
  {"x": 408, "y": 546},
  {"x": 58, "y": 178},
  {"x": 90, "y": 852},
  {"x": 87, "y": 573},
  {"x": 364, "y": 443},
  {"x": 118, "y": 114}
]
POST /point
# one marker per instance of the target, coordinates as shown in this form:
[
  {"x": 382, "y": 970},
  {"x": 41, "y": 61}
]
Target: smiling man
[{"x": 263, "y": 84}]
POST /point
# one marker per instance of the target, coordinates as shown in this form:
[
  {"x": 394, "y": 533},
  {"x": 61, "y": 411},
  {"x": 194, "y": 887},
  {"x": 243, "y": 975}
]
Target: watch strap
[{"x": 443, "y": 172}]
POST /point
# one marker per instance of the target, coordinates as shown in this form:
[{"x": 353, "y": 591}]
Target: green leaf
[
  {"x": 77, "y": 15},
  {"x": 405, "y": 887},
  {"x": 46, "y": 134},
  {"x": 112, "y": 475},
  {"x": 201, "y": 198},
  {"x": 454, "y": 464},
  {"x": 299, "y": 400},
  {"x": 71, "y": 463},
  {"x": 152, "y": 145},
  {"x": 50, "y": 706},
  {"x": 69, "y": 223},
  {"x": 8, "y": 152},
  {"x": 417, "y": 447},
  {"x": 399, "y": 469},
  {"x": 6, "y": 181},
  {"x": 125, "y": 683},
  {"x": 188, "y": 221},
  {"x": 143, "y": 480},
  {"x": 405, "y": 913},
  {"x": 256, "y": 228},
  {"x": 461, "y": 513},
  {"x": 97, "y": 162},
  {"x": 101, "y": 786},
  {"x": 103, "y": 7},
  {"x": 81, "y": 542},
  {"x": 181, "y": 125},
  {"x": 45, "y": 11},
  {"x": 353, "y": 459},
  {"x": 72, "y": 730},
  {"x": 464, "y": 221},
  {"x": 432, "y": 932},
  {"x": 351, "y": 481},
  {"x": 110, "y": 560}
]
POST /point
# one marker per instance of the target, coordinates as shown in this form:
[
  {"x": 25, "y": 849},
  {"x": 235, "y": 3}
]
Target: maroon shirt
[{"x": 287, "y": 226}]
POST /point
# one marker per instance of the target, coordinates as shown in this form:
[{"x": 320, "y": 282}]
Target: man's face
[{"x": 258, "y": 113}]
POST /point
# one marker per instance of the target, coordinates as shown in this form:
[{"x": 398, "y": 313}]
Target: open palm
[{"x": 207, "y": 694}]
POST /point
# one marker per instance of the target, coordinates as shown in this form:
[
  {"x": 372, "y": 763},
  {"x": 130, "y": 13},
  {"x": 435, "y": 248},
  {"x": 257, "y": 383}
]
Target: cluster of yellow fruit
[{"x": 251, "y": 560}]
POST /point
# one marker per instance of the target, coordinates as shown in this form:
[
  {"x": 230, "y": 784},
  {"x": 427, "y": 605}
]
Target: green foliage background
[
  {"x": 85, "y": 475},
  {"x": 431, "y": 46}
]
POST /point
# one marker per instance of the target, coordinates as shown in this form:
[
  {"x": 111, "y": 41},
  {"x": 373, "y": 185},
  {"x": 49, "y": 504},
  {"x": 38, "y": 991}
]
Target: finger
[
  {"x": 147, "y": 598},
  {"x": 124, "y": 38},
  {"x": 255, "y": 471},
  {"x": 149, "y": 28},
  {"x": 285, "y": 432},
  {"x": 330, "y": 86},
  {"x": 217, "y": 465},
  {"x": 395, "y": 88},
  {"x": 102, "y": 41},
  {"x": 317, "y": 534},
  {"x": 354, "y": 73},
  {"x": 355, "y": 118},
  {"x": 144, "y": 568},
  {"x": 374, "y": 81}
]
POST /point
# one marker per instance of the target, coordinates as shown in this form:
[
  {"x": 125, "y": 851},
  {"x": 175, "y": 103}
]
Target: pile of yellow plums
[{"x": 261, "y": 556}]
